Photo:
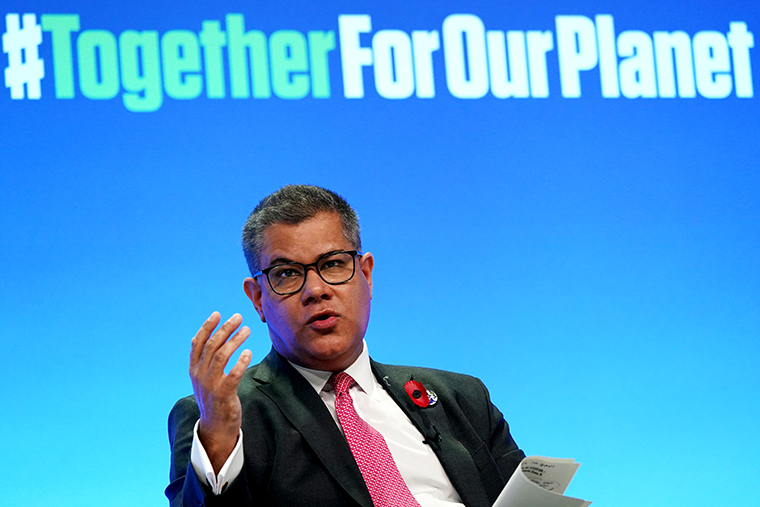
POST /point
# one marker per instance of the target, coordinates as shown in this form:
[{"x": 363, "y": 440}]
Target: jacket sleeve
[
  {"x": 185, "y": 488},
  {"x": 502, "y": 446}
]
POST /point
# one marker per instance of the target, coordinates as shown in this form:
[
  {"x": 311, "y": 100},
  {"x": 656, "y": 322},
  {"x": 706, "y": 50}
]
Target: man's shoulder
[
  {"x": 426, "y": 371},
  {"x": 441, "y": 381}
]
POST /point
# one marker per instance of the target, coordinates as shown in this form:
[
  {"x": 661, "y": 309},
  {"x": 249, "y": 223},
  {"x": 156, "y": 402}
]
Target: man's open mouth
[{"x": 322, "y": 317}]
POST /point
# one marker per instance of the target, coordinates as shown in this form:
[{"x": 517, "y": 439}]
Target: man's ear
[
  {"x": 253, "y": 291},
  {"x": 366, "y": 263}
]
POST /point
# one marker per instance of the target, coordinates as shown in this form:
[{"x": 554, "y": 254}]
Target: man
[{"x": 317, "y": 422}]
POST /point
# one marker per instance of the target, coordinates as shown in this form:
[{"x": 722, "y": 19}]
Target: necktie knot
[{"x": 341, "y": 382}]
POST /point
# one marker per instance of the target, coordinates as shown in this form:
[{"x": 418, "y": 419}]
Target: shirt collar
[{"x": 360, "y": 371}]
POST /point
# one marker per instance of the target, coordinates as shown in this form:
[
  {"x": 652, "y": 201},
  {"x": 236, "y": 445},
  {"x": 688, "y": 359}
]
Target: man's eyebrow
[
  {"x": 331, "y": 252},
  {"x": 284, "y": 260},
  {"x": 280, "y": 260}
]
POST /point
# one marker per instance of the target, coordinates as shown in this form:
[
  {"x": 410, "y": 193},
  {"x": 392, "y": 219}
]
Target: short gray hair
[{"x": 293, "y": 204}]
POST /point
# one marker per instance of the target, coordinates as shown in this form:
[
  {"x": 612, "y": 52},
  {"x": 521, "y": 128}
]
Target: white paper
[{"x": 540, "y": 482}]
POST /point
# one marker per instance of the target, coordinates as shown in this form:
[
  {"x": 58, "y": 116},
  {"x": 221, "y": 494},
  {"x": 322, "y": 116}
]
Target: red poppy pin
[{"x": 419, "y": 395}]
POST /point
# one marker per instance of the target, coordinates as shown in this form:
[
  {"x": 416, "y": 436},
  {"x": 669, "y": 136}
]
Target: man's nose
[{"x": 314, "y": 288}]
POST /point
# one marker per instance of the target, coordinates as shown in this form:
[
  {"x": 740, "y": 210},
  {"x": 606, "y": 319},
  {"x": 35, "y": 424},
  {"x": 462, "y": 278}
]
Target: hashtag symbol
[{"x": 25, "y": 67}]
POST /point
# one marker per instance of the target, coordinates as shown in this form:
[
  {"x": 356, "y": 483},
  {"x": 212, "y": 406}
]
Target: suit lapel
[
  {"x": 434, "y": 424},
  {"x": 298, "y": 402}
]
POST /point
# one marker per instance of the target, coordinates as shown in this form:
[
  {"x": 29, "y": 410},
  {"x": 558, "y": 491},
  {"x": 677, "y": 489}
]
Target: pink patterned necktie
[{"x": 386, "y": 486}]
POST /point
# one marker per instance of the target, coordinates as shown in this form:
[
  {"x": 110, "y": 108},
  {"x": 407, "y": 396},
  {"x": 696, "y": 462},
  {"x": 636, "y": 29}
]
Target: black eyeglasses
[{"x": 334, "y": 268}]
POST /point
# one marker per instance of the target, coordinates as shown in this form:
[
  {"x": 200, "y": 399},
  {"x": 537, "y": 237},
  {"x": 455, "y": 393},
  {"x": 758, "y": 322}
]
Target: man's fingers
[
  {"x": 223, "y": 353},
  {"x": 198, "y": 342},
  {"x": 236, "y": 373},
  {"x": 233, "y": 343},
  {"x": 219, "y": 338}
]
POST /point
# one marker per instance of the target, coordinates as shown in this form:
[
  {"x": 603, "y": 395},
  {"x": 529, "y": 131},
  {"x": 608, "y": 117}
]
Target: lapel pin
[
  {"x": 419, "y": 395},
  {"x": 432, "y": 397}
]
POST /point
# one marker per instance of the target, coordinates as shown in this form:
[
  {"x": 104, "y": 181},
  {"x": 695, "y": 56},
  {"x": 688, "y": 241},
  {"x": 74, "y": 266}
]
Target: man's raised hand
[{"x": 215, "y": 391}]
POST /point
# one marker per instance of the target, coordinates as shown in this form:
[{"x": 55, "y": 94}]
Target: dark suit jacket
[{"x": 296, "y": 455}]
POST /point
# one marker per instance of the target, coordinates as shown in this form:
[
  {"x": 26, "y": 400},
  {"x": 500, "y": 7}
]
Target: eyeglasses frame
[{"x": 306, "y": 267}]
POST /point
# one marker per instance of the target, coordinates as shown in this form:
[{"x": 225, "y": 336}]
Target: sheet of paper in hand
[{"x": 540, "y": 482}]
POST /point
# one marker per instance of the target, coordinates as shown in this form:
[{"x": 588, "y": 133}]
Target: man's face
[{"x": 321, "y": 326}]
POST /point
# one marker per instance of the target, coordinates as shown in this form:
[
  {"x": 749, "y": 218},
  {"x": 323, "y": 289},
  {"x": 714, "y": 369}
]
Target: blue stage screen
[{"x": 561, "y": 199}]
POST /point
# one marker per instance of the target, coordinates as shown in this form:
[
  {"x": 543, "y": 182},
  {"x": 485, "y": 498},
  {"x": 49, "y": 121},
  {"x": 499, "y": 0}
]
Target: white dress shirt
[{"x": 416, "y": 461}]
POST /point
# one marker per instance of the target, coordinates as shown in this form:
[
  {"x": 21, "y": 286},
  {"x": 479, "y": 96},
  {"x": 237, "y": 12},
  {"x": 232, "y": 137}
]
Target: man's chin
[{"x": 332, "y": 357}]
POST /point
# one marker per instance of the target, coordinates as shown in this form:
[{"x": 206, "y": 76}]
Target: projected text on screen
[{"x": 144, "y": 67}]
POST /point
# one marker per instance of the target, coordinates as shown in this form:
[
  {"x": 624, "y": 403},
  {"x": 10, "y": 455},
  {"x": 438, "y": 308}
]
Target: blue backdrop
[{"x": 587, "y": 246}]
